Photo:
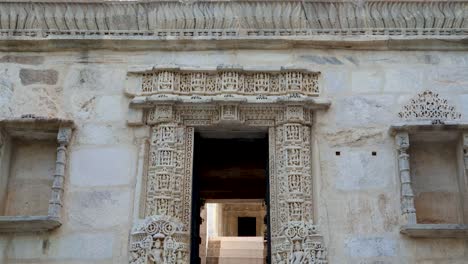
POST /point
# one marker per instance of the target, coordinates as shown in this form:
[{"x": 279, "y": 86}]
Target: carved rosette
[{"x": 159, "y": 239}]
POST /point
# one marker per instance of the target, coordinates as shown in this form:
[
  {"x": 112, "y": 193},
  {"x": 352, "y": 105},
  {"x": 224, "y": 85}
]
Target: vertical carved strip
[
  {"x": 407, "y": 194},
  {"x": 295, "y": 240},
  {"x": 164, "y": 236},
  {"x": 188, "y": 172},
  {"x": 55, "y": 203},
  {"x": 274, "y": 229}
]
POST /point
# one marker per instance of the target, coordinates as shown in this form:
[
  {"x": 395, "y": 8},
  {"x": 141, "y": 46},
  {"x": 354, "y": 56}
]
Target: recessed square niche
[
  {"x": 433, "y": 170},
  {"x": 435, "y": 175},
  {"x": 30, "y": 177},
  {"x": 32, "y": 171}
]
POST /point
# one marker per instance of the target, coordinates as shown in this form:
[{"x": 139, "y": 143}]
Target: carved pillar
[
  {"x": 294, "y": 237},
  {"x": 164, "y": 235},
  {"x": 55, "y": 202},
  {"x": 407, "y": 194}
]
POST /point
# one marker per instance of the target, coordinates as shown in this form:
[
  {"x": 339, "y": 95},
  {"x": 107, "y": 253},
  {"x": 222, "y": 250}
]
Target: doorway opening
[{"x": 230, "y": 197}]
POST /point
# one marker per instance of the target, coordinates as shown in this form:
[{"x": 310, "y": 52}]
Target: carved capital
[
  {"x": 402, "y": 141},
  {"x": 160, "y": 113},
  {"x": 295, "y": 113},
  {"x": 64, "y": 135},
  {"x": 229, "y": 113}
]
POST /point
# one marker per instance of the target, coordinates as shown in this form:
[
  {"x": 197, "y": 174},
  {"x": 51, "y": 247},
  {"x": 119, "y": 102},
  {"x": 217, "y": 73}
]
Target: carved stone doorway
[
  {"x": 230, "y": 188},
  {"x": 164, "y": 235}
]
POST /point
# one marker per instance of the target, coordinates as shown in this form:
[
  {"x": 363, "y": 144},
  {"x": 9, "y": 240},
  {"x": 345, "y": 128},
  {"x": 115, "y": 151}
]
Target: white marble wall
[{"x": 357, "y": 194}]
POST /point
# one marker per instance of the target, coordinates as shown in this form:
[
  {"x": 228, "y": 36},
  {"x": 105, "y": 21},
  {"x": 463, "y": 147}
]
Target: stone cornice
[{"x": 338, "y": 21}]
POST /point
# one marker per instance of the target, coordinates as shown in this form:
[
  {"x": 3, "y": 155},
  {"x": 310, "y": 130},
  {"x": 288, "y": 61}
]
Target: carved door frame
[{"x": 163, "y": 236}]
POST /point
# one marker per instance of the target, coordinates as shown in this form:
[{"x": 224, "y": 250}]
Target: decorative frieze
[
  {"x": 221, "y": 19},
  {"x": 429, "y": 106},
  {"x": 230, "y": 82}
]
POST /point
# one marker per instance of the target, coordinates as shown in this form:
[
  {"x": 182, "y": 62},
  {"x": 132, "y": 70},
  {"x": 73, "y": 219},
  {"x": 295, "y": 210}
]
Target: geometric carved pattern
[
  {"x": 213, "y": 83},
  {"x": 168, "y": 183},
  {"x": 294, "y": 236},
  {"x": 168, "y": 198},
  {"x": 428, "y": 106},
  {"x": 293, "y": 233},
  {"x": 221, "y": 19}
]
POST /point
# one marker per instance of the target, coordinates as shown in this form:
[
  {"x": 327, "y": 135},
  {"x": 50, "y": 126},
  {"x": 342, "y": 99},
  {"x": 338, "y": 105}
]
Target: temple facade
[{"x": 233, "y": 131}]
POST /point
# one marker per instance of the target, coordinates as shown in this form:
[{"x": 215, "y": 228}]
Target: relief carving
[
  {"x": 429, "y": 106},
  {"x": 225, "y": 82},
  {"x": 215, "y": 19},
  {"x": 294, "y": 235}
]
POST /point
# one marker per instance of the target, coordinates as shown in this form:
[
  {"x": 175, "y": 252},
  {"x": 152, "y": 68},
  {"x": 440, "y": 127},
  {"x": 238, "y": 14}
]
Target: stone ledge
[
  {"x": 435, "y": 230},
  {"x": 124, "y": 43},
  {"x": 19, "y": 224},
  {"x": 427, "y": 126},
  {"x": 107, "y": 24},
  {"x": 151, "y": 101}
]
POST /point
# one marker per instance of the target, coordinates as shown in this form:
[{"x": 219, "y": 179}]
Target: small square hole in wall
[
  {"x": 337, "y": 153},
  {"x": 374, "y": 153}
]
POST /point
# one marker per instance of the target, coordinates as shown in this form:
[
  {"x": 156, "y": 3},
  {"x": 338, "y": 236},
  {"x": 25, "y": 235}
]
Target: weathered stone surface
[
  {"x": 367, "y": 247},
  {"x": 6, "y": 94},
  {"x": 91, "y": 209},
  {"x": 372, "y": 110},
  {"x": 82, "y": 246},
  {"x": 109, "y": 108},
  {"x": 358, "y": 169},
  {"x": 367, "y": 81},
  {"x": 30, "y": 60},
  {"x": 103, "y": 134},
  {"x": 437, "y": 207},
  {"x": 29, "y": 76},
  {"x": 88, "y": 166}
]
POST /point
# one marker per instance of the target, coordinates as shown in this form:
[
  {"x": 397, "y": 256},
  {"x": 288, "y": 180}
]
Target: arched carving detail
[{"x": 429, "y": 106}]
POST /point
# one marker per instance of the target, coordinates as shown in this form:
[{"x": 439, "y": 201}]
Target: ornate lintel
[{"x": 224, "y": 81}]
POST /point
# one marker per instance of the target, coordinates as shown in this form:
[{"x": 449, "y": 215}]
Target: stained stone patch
[
  {"x": 29, "y": 76},
  {"x": 90, "y": 209},
  {"x": 30, "y": 60}
]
